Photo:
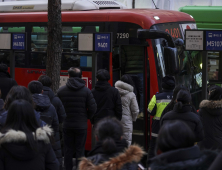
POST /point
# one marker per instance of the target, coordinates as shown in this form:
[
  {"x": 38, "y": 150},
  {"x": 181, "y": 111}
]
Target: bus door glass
[{"x": 20, "y": 60}]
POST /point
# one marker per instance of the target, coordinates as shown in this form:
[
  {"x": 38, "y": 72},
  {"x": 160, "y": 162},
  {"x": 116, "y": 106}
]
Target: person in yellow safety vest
[{"x": 156, "y": 107}]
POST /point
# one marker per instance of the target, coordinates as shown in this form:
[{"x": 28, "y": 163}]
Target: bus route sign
[
  {"x": 18, "y": 41},
  {"x": 213, "y": 40},
  {"x": 103, "y": 42}
]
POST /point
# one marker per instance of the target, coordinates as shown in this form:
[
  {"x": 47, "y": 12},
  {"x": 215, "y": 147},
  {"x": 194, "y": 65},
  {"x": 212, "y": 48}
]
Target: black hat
[
  {"x": 102, "y": 75},
  {"x": 215, "y": 93},
  {"x": 3, "y": 68},
  {"x": 168, "y": 83}
]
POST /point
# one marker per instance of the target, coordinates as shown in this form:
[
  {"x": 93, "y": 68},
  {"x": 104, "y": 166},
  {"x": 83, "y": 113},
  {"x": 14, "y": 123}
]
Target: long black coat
[
  {"x": 190, "y": 118},
  {"x": 211, "y": 117},
  {"x": 6, "y": 83},
  {"x": 127, "y": 161},
  {"x": 48, "y": 114},
  {"x": 78, "y": 102},
  {"x": 108, "y": 101},
  {"x": 56, "y": 102},
  {"x": 15, "y": 153},
  {"x": 183, "y": 159}
]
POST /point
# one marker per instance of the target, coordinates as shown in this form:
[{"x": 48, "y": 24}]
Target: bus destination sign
[
  {"x": 102, "y": 42},
  {"x": 213, "y": 40},
  {"x": 18, "y": 41}
]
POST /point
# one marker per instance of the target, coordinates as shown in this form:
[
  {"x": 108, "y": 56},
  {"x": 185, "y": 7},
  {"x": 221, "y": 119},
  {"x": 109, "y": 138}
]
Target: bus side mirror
[{"x": 171, "y": 61}]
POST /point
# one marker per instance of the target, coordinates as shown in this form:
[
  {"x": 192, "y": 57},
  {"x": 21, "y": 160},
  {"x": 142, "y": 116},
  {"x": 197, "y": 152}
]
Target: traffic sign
[
  {"x": 213, "y": 40},
  {"x": 18, "y": 41},
  {"x": 194, "y": 40},
  {"x": 102, "y": 42}
]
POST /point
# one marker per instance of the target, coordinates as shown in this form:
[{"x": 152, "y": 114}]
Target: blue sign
[
  {"x": 214, "y": 40},
  {"x": 102, "y": 42},
  {"x": 18, "y": 41}
]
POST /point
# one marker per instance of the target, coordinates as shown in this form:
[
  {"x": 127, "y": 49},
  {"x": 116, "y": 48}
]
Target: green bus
[{"x": 206, "y": 17}]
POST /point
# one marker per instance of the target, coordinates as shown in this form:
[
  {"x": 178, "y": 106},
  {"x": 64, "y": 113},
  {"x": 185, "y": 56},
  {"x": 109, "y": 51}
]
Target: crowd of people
[{"x": 38, "y": 128}]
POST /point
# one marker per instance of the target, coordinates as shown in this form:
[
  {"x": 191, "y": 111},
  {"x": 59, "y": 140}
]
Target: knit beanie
[
  {"x": 168, "y": 83},
  {"x": 215, "y": 93},
  {"x": 102, "y": 75}
]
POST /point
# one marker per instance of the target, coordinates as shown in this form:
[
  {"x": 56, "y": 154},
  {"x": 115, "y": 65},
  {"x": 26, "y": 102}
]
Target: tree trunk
[{"x": 54, "y": 48}]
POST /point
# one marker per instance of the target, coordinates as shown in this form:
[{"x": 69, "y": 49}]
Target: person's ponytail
[
  {"x": 179, "y": 104},
  {"x": 109, "y": 145}
]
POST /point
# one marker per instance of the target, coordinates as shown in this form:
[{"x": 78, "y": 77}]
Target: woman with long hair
[
  {"x": 182, "y": 111},
  {"x": 111, "y": 151},
  {"x": 19, "y": 92},
  {"x": 130, "y": 109},
  {"x": 23, "y": 144},
  {"x": 176, "y": 150}
]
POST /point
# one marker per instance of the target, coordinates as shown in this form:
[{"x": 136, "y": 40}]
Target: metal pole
[
  {"x": 94, "y": 68},
  {"x": 204, "y": 74},
  {"x": 12, "y": 64}
]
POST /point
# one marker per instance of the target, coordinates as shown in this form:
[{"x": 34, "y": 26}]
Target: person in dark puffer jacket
[
  {"x": 176, "y": 149},
  {"x": 79, "y": 105},
  {"x": 211, "y": 117},
  {"x": 56, "y": 102},
  {"x": 111, "y": 152},
  {"x": 24, "y": 145},
  {"x": 48, "y": 114},
  {"x": 182, "y": 111},
  {"x": 107, "y": 98},
  {"x": 6, "y": 82}
]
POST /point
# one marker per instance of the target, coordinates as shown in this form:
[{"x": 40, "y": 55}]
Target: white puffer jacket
[{"x": 130, "y": 108}]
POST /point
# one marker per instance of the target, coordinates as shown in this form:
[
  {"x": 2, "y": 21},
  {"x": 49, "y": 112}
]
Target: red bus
[{"x": 124, "y": 24}]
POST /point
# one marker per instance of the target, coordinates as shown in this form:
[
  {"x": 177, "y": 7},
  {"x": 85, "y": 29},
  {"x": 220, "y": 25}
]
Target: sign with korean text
[
  {"x": 18, "y": 41},
  {"x": 194, "y": 40},
  {"x": 103, "y": 42},
  {"x": 213, "y": 40}
]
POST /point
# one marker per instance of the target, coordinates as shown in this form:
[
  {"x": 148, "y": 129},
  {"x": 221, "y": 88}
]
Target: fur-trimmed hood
[
  {"x": 133, "y": 154},
  {"x": 123, "y": 88},
  {"x": 41, "y": 134},
  {"x": 14, "y": 143},
  {"x": 213, "y": 107}
]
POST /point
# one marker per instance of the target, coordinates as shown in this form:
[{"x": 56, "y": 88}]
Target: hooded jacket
[
  {"x": 184, "y": 114},
  {"x": 6, "y": 83},
  {"x": 124, "y": 159},
  {"x": 183, "y": 159},
  {"x": 15, "y": 152},
  {"x": 108, "y": 101},
  {"x": 78, "y": 102},
  {"x": 211, "y": 118},
  {"x": 56, "y": 102},
  {"x": 130, "y": 108},
  {"x": 48, "y": 114}
]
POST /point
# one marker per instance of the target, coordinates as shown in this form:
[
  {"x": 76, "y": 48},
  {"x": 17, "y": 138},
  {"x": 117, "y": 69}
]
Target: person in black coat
[
  {"x": 182, "y": 111},
  {"x": 176, "y": 149},
  {"x": 211, "y": 117},
  {"x": 19, "y": 92},
  {"x": 2, "y": 109},
  {"x": 47, "y": 113},
  {"x": 79, "y": 105},
  {"x": 23, "y": 144},
  {"x": 107, "y": 98},
  {"x": 6, "y": 82},
  {"x": 170, "y": 106},
  {"x": 56, "y": 102},
  {"x": 111, "y": 152}
]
